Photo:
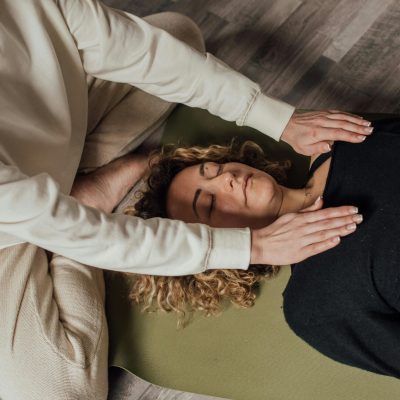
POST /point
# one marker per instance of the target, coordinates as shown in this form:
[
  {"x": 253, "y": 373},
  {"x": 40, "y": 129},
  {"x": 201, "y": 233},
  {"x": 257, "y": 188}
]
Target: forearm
[
  {"x": 119, "y": 46},
  {"x": 105, "y": 187},
  {"x": 33, "y": 209}
]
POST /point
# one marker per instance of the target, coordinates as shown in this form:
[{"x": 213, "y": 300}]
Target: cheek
[
  {"x": 263, "y": 191},
  {"x": 231, "y": 221},
  {"x": 225, "y": 220},
  {"x": 229, "y": 214},
  {"x": 228, "y": 206}
]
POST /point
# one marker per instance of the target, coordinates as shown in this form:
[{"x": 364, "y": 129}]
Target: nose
[{"x": 228, "y": 181}]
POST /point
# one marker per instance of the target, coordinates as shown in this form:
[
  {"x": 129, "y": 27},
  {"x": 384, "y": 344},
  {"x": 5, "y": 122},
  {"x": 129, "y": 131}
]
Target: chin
[{"x": 261, "y": 223}]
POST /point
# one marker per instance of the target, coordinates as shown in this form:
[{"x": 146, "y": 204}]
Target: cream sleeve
[
  {"x": 34, "y": 210},
  {"x": 118, "y": 46}
]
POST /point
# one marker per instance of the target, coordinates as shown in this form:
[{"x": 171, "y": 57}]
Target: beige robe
[{"x": 46, "y": 48}]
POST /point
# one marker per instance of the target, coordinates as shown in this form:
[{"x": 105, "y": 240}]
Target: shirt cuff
[
  {"x": 269, "y": 115},
  {"x": 229, "y": 249}
]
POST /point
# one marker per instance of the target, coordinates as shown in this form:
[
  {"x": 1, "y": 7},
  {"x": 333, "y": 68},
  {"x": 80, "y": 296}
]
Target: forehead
[
  {"x": 186, "y": 178},
  {"x": 181, "y": 193}
]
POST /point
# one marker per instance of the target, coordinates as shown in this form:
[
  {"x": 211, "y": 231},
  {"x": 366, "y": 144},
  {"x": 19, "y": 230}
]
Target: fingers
[
  {"x": 332, "y": 212},
  {"x": 336, "y": 114},
  {"x": 312, "y": 132},
  {"x": 339, "y": 123},
  {"x": 332, "y": 224},
  {"x": 320, "y": 247},
  {"x": 329, "y": 234},
  {"x": 346, "y": 124},
  {"x": 324, "y": 134},
  {"x": 294, "y": 237},
  {"x": 326, "y": 239}
]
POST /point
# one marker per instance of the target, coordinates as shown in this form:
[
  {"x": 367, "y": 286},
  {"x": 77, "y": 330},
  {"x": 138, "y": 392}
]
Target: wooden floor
[
  {"x": 319, "y": 54},
  {"x": 342, "y": 54}
]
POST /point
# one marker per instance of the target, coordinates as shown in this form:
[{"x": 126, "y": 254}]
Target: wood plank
[
  {"x": 387, "y": 95},
  {"x": 211, "y": 25},
  {"x": 223, "y": 8},
  {"x": 309, "y": 83},
  {"x": 366, "y": 66},
  {"x": 331, "y": 93},
  {"x": 298, "y": 28},
  {"x": 194, "y": 9},
  {"x": 237, "y": 43},
  {"x": 138, "y": 7},
  {"x": 299, "y": 63},
  {"x": 341, "y": 16},
  {"x": 366, "y": 15}
]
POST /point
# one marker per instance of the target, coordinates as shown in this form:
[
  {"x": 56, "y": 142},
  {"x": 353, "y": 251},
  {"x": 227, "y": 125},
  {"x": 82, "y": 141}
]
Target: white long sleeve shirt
[{"x": 46, "y": 47}]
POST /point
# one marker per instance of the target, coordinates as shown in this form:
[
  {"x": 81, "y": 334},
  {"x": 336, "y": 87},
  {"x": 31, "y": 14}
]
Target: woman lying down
[{"x": 344, "y": 302}]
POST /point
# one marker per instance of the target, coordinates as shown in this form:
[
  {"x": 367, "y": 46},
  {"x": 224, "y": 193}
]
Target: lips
[{"x": 245, "y": 181}]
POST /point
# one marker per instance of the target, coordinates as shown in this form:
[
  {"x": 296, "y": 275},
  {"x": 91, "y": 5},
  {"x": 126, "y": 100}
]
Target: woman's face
[{"x": 230, "y": 195}]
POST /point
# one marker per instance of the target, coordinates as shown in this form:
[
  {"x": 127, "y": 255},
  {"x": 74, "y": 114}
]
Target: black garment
[{"x": 345, "y": 302}]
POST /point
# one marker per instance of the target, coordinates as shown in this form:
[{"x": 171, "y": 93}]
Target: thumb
[
  {"x": 321, "y": 147},
  {"x": 316, "y": 206}
]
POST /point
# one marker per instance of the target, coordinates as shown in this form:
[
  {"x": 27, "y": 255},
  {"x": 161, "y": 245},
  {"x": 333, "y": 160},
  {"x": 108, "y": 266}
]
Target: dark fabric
[
  {"x": 318, "y": 161},
  {"x": 345, "y": 302}
]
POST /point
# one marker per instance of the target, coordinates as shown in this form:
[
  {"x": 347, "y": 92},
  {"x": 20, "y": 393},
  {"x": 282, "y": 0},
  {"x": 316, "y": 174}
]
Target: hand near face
[
  {"x": 313, "y": 132},
  {"x": 294, "y": 237}
]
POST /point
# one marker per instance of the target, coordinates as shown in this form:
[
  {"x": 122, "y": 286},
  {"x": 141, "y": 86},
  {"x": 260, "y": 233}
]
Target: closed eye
[{"x": 212, "y": 205}]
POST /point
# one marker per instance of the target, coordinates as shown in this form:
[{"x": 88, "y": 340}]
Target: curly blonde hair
[{"x": 204, "y": 291}]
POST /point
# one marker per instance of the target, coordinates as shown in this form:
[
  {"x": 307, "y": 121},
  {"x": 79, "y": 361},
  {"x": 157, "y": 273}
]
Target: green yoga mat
[{"x": 243, "y": 354}]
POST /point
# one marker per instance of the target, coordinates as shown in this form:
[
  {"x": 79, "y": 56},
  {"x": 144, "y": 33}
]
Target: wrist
[
  {"x": 256, "y": 249},
  {"x": 269, "y": 115},
  {"x": 230, "y": 248},
  {"x": 288, "y": 130}
]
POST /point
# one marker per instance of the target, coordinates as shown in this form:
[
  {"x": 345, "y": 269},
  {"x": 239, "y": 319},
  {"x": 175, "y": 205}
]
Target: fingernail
[
  {"x": 358, "y": 218},
  {"x": 327, "y": 148},
  {"x": 369, "y": 129},
  {"x": 361, "y": 138},
  {"x": 367, "y": 123},
  {"x": 351, "y": 227},
  {"x": 336, "y": 239},
  {"x": 318, "y": 199},
  {"x": 354, "y": 210}
]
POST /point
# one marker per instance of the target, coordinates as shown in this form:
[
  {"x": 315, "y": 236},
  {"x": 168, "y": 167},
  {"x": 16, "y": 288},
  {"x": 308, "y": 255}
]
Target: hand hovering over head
[
  {"x": 293, "y": 237},
  {"x": 314, "y": 132}
]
